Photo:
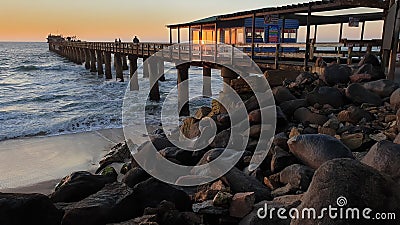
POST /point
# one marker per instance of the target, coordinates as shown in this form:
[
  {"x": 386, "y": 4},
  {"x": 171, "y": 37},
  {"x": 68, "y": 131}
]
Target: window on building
[{"x": 259, "y": 33}]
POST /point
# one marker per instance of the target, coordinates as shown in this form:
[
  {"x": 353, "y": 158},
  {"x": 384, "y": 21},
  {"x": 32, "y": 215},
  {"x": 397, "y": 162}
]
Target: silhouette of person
[
  {"x": 136, "y": 40},
  {"x": 119, "y": 40}
]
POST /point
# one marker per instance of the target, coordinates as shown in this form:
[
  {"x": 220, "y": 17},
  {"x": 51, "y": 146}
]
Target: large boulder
[
  {"x": 282, "y": 94},
  {"x": 240, "y": 182},
  {"x": 118, "y": 154},
  {"x": 347, "y": 183},
  {"x": 384, "y": 156},
  {"x": 326, "y": 95},
  {"x": 135, "y": 176},
  {"x": 296, "y": 178},
  {"x": 395, "y": 99},
  {"x": 114, "y": 203},
  {"x": 80, "y": 185},
  {"x": 289, "y": 107},
  {"x": 35, "y": 209},
  {"x": 383, "y": 88},
  {"x": 152, "y": 191},
  {"x": 336, "y": 73},
  {"x": 315, "y": 149},
  {"x": 305, "y": 116},
  {"x": 359, "y": 95}
]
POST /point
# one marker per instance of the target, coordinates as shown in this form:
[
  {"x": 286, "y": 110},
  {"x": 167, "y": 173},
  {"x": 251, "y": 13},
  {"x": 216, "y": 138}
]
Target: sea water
[{"x": 43, "y": 94}]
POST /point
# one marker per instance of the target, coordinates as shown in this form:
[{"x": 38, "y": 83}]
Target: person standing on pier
[{"x": 136, "y": 40}]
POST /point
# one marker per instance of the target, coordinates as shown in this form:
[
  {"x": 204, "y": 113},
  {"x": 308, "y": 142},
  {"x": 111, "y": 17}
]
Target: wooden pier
[{"x": 212, "y": 40}]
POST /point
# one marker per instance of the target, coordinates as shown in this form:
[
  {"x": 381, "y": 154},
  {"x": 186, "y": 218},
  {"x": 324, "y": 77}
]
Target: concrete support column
[
  {"x": 118, "y": 66},
  {"x": 160, "y": 66},
  {"x": 153, "y": 79},
  {"x": 92, "y": 61},
  {"x": 87, "y": 58},
  {"x": 183, "y": 89},
  {"x": 228, "y": 75},
  {"x": 124, "y": 63},
  {"x": 207, "y": 81},
  {"x": 134, "y": 83},
  {"x": 145, "y": 67},
  {"x": 107, "y": 65},
  {"x": 100, "y": 70}
]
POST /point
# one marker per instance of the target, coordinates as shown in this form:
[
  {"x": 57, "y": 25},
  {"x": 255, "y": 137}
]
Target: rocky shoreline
[{"x": 337, "y": 135}]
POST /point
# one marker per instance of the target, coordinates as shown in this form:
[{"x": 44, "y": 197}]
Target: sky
[{"x": 105, "y": 20}]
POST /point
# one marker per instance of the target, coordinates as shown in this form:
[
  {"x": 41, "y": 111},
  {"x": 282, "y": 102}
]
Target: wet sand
[{"x": 35, "y": 165}]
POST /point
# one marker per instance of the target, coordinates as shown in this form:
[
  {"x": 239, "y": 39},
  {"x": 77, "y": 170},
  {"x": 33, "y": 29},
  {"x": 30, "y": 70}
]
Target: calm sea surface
[{"x": 44, "y": 94}]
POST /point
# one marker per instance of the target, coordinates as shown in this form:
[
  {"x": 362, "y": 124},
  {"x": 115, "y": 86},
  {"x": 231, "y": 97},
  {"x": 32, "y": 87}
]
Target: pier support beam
[
  {"x": 153, "y": 79},
  {"x": 87, "y": 59},
  {"x": 207, "y": 81},
  {"x": 145, "y": 67},
  {"x": 107, "y": 65},
  {"x": 134, "y": 82},
  {"x": 93, "y": 61},
  {"x": 183, "y": 89},
  {"x": 160, "y": 66},
  {"x": 100, "y": 70},
  {"x": 124, "y": 63},
  {"x": 118, "y": 67},
  {"x": 228, "y": 75}
]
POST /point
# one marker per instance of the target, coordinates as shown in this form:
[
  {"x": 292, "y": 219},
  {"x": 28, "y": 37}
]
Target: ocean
[{"x": 43, "y": 94}]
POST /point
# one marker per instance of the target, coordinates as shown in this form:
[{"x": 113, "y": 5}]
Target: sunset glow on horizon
[{"x": 101, "y": 20}]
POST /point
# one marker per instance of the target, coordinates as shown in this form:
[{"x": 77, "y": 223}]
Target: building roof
[{"x": 318, "y": 6}]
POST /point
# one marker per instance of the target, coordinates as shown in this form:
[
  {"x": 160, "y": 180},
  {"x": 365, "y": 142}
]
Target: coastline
[{"x": 36, "y": 164}]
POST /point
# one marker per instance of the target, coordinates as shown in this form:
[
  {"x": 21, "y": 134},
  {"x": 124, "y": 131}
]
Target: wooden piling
[
  {"x": 153, "y": 79},
  {"x": 183, "y": 89},
  {"x": 107, "y": 65},
  {"x": 87, "y": 58},
  {"x": 227, "y": 75},
  {"x": 207, "y": 81},
  {"x": 93, "y": 61},
  {"x": 100, "y": 70},
  {"x": 145, "y": 67},
  {"x": 160, "y": 66},
  {"x": 118, "y": 66},
  {"x": 124, "y": 63},
  {"x": 134, "y": 82}
]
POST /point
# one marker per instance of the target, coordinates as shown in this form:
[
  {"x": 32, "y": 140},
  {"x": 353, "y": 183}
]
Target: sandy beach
[{"x": 36, "y": 164}]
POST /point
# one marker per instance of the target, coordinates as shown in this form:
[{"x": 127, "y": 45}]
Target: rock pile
[{"x": 334, "y": 138}]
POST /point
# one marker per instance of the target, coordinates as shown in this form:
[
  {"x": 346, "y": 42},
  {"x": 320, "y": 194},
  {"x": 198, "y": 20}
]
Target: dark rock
[
  {"x": 114, "y": 203},
  {"x": 190, "y": 128},
  {"x": 177, "y": 154},
  {"x": 370, "y": 59},
  {"x": 336, "y": 73},
  {"x": 384, "y": 156},
  {"x": 354, "y": 115},
  {"x": 326, "y": 95},
  {"x": 289, "y": 107},
  {"x": 282, "y": 94},
  {"x": 125, "y": 168},
  {"x": 281, "y": 159},
  {"x": 362, "y": 186},
  {"x": 207, "y": 207},
  {"x": 315, "y": 149},
  {"x": 240, "y": 182},
  {"x": 360, "y": 77},
  {"x": 286, "y": 202},
  {"x": 305, "y": 116},
  {"x": 374, "y": 71},
  {"x": 35, "y": 209},
  {"x": 280, "y": 140},
  {"x": 296, "y": 178},
  {"x": 152, "y": 191},
  {"x": 305, "y": 78},
  {"x": 135, "y": 176},
  {"x": 383, "y": 88},
  {"x": 118, "y": 154},
  {"x": 359, "y": 95},
  {"x": 395, "y": 99},
  {"x": 80, "y": 185}
]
